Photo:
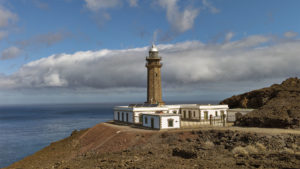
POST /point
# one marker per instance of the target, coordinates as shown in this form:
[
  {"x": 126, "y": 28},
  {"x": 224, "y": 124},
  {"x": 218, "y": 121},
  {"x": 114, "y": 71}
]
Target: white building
[
  {"x": 161, "y": 121},
  {"x": 187, "y": 112}
]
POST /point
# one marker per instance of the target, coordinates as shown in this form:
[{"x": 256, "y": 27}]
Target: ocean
[{"x": 27, "y": 129}]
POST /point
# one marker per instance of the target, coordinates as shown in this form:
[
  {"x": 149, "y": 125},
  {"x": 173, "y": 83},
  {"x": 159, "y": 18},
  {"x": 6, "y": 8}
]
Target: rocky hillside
[
  {"x": 277, "y": 106},
  {"x": 114, "y": 146}
]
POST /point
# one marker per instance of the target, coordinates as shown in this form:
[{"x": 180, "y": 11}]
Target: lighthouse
[{"x": 154, "y": 93}]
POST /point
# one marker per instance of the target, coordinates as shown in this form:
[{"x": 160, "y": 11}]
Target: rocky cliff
[{"x": 277, "y": 106}]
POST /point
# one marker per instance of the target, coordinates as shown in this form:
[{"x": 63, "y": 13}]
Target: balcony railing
[{"x": 153, "y": 58}]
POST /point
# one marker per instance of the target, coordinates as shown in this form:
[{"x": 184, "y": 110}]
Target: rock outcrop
[{"x": 277, "y": 106}]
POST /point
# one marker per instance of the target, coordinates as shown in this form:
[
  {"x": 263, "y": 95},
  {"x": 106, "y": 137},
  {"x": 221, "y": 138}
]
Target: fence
[{"x": 211, "y": 121}]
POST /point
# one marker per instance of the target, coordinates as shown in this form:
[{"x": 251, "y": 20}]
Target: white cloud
[
  {"x": 290, "y": 34},
  {"x": 10, "y": 53},
  {"x": 208, "y": 5},
  {"x": 180, "y": 21},
  {"x": 229, "y": 36},
  {"x": 188, "y": 64},
  {"x": 133, "y": 3},
  {"x": 6, "y": 17},
  {"x": 95, "y": 5}
]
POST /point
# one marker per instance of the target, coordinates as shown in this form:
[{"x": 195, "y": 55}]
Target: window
[
  {"x": 190, "y": 114},
  {"x": 118, "y": 115},
  {"x": 146, "y": 120},
  {"x": 174, "y": 112},
  {"x": 194, "y": 114},
  {"x": 170, "y": 123},
  {"x": 216, "y": 113}
]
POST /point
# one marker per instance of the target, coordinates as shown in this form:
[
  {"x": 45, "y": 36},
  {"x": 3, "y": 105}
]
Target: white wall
[
  {"x": 130, "y": 119},
  {"x": 156, "y": 121},
  {"x": 171, "y": 111},
  {"x": 115, "y": 115},
  {"x": 137, "y": 116},
  {"x": 212, "y": 112},
  {"x": 164, "y": 122}
]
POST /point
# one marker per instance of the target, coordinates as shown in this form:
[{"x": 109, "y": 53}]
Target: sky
[{"x": 83, "y": 51}]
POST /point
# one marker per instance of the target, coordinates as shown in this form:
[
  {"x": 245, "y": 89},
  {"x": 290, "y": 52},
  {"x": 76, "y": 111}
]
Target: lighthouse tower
[{"x": 154, "y": 94}]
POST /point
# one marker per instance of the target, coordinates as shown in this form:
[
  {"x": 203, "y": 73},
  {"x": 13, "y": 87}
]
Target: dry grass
[
  {"x": 260, "y": 147},
  {"x": 287, "y": 151},
  {"x": 251, "y": 149},
  {"x": 294, "y": 147},
  {"x": 209, "y": 145},
  {"x": 239, "y": 150}
]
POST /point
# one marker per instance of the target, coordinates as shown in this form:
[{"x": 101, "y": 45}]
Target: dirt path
[{"x": 132, "y": 128}]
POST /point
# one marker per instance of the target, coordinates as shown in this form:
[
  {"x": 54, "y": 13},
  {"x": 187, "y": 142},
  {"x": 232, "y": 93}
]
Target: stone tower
[{"x": 154, "y": 94}]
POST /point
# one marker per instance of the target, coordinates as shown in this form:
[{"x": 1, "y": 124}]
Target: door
[
  {"x": 206, "y": 115},
  {"x": 152, "y": 123},
  {"x": 122, "y": 116},
  {"x": 222, "y": 114},
  {"x": 127, "y": 117}
]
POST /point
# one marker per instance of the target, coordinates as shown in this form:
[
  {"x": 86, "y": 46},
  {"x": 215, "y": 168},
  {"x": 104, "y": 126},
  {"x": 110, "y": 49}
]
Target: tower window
[{"x": 155, "y": 74}]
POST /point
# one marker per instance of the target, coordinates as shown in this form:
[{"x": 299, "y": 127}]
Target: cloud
[
  {"x": 10, "y": 53},
  {"x": 180, "y": 21},
  {"x": 191, "y": 64},
  {"x": 209, "y": 6},
  {"x": 290, "y": 34},
  {"x": 133, "y": 3},
  {"x": 6, "y": 17},
  {"x": 47, "y": 39},
  {"x": 95, "y": 5},
  {"x": 229, "y": 36}
]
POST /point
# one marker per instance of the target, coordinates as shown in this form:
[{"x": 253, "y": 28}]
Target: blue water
[{"x": 27, "y": 129}]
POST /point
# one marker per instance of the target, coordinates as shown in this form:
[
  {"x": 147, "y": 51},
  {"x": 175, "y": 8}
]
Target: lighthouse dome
[{"x": 153, "y": 48}]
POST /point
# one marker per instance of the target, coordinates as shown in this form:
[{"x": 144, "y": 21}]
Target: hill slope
[
  {"x": 114, "y": 146},
  {"x": 277, "y": 106}
]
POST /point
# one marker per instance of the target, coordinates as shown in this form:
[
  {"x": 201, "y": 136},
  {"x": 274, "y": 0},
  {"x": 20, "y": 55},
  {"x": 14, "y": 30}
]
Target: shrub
[
  {"x": 294, "y": 146},
  {"x": 208, "y": 145},
  {"x": 239, "y": 151},
  {"x": 251, "y": 149},
  {"x": 260, "y": 147},
  {"x": 187, "y": 154},
  {"x": 287, "y": 151}
]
